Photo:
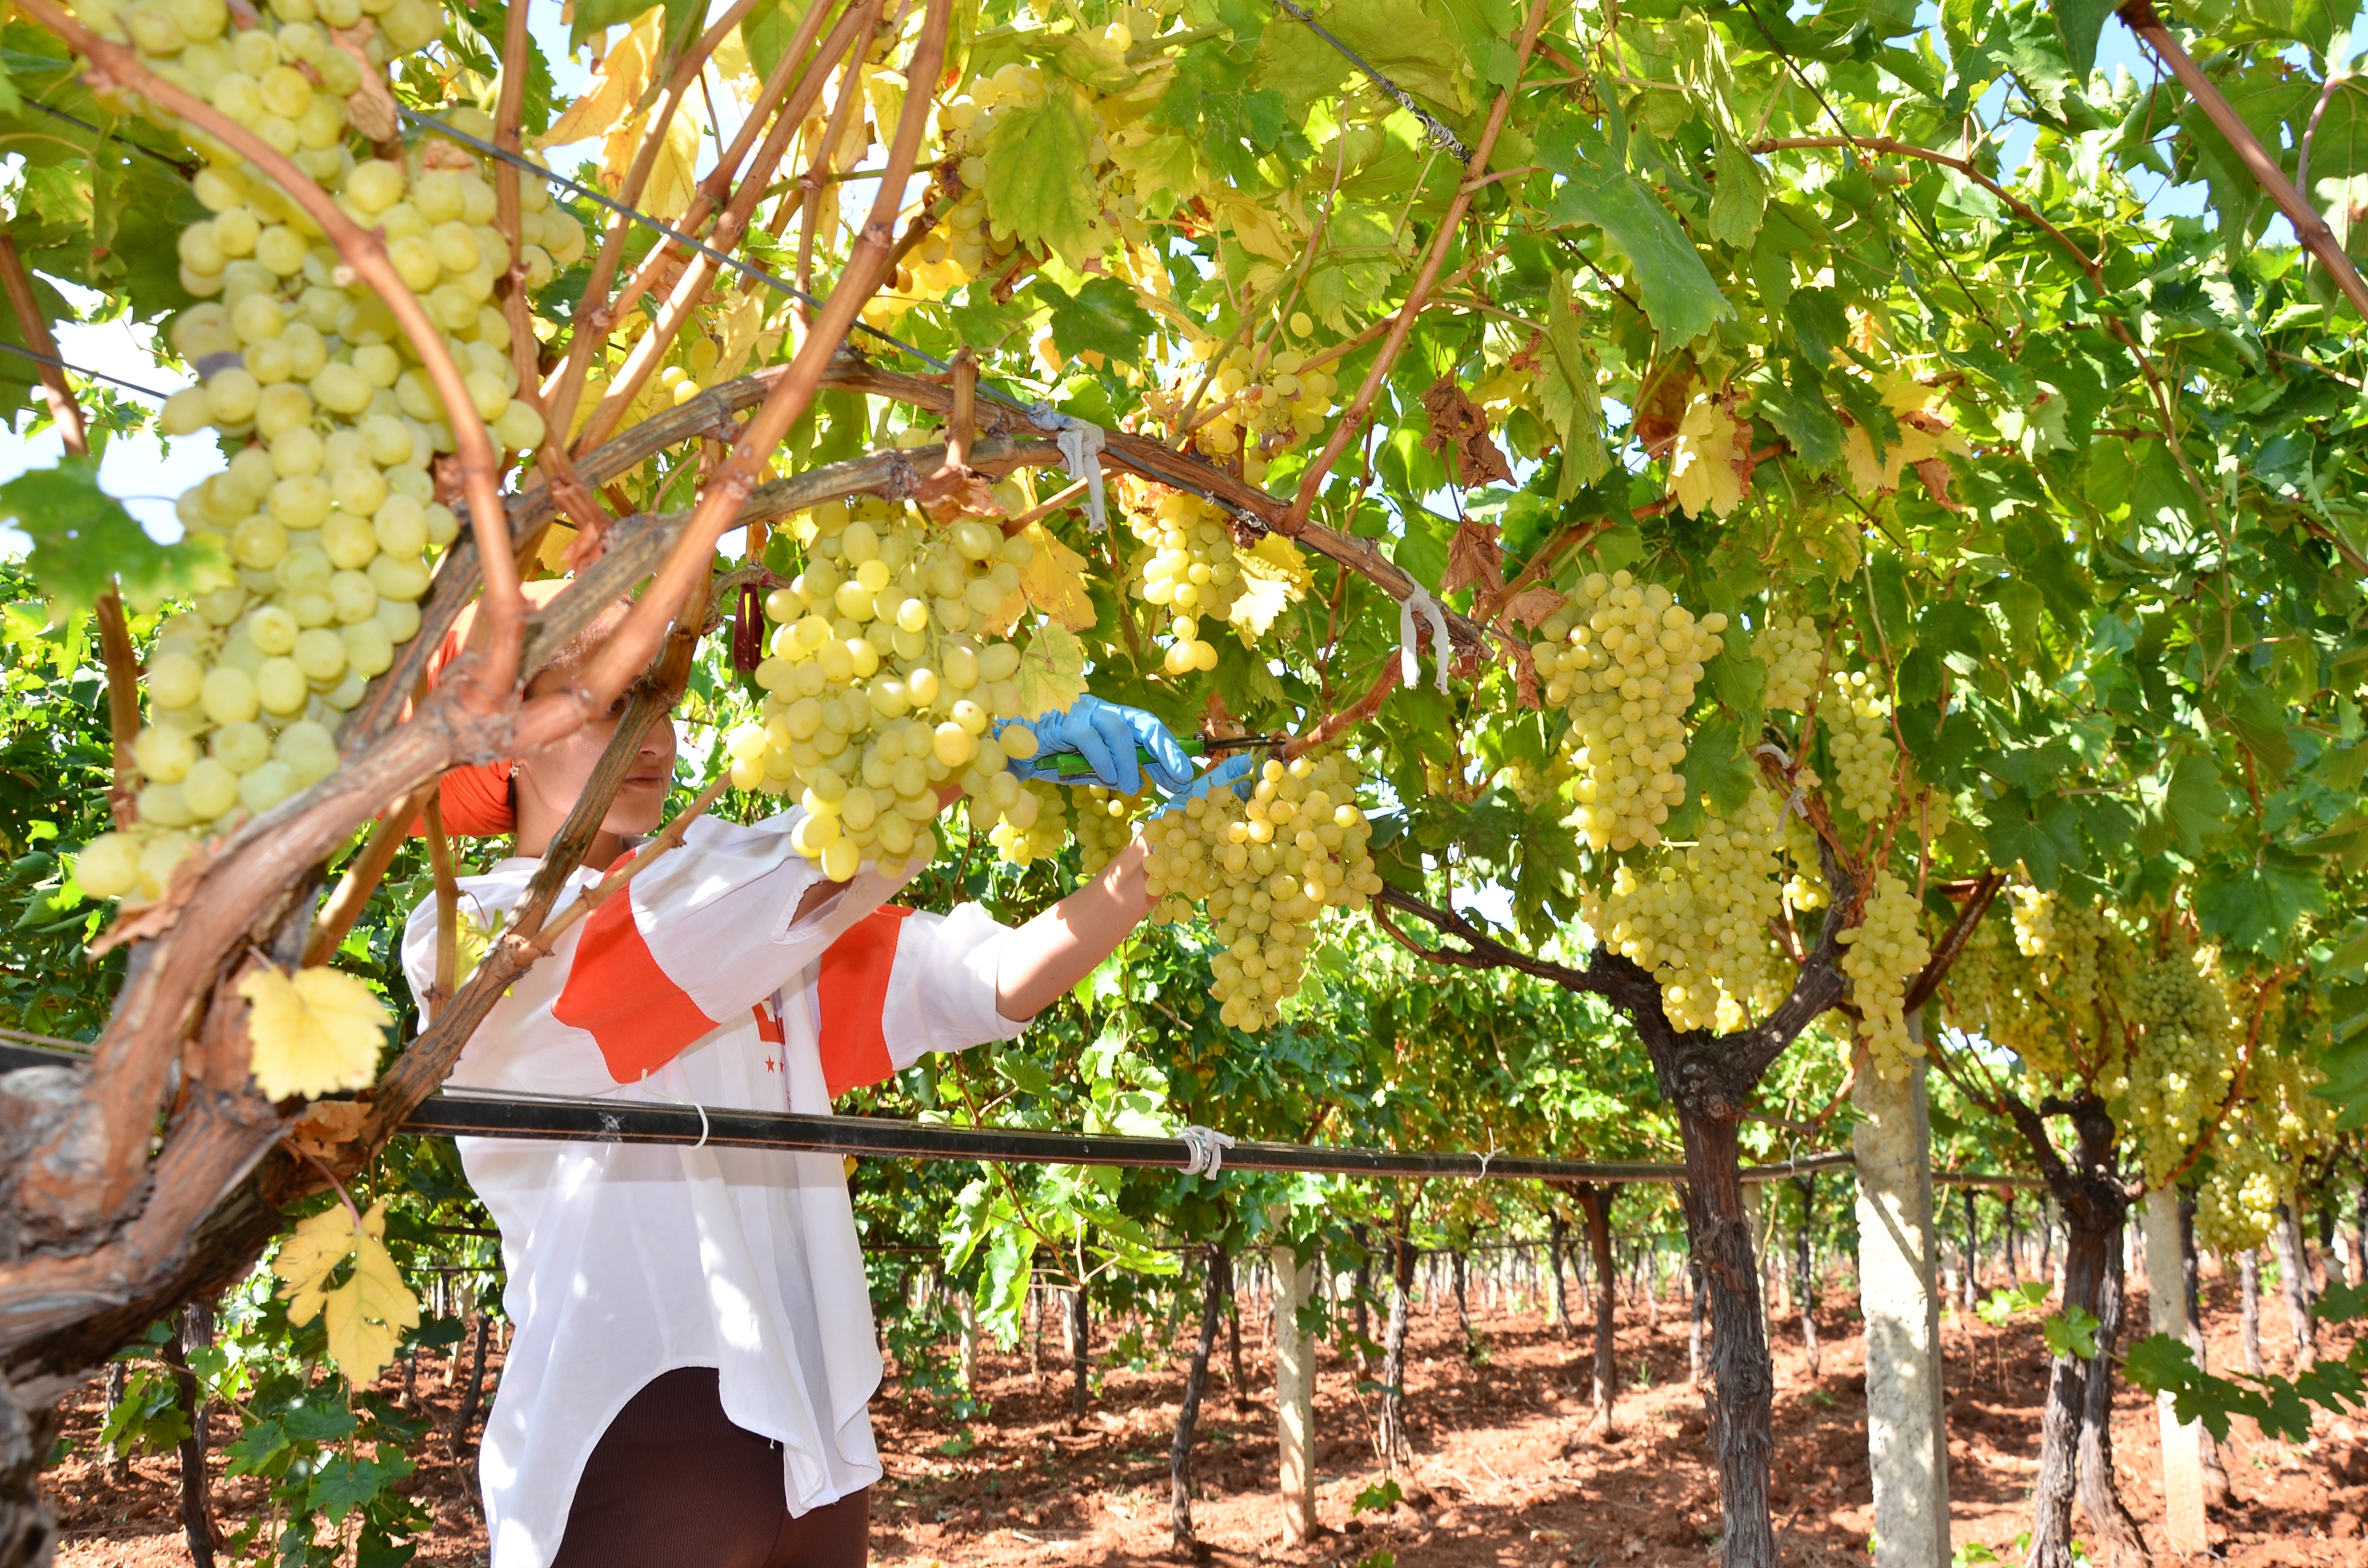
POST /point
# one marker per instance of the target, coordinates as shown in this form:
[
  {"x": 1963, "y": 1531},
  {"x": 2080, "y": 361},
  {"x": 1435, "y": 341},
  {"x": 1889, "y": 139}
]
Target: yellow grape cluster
[
  {"x": 1105, "y": 825},
  {"x": 1623, "y": 658},
  {"x": 1253, "y": 402},
  {"x": 883, "y": 684},
  {"x": 1185, "y": 567},
  {"x": 1534, "y": 786},
  {"x": 1264, "y": 869},
  {"x": 1881, "y": 955},
  {"x": 327, "y": 512},
  {"x": 1795, "y": 655},
  {"x": 1046, "y": 831},
  {"x": 1700, "y": 920},
  {"x": 969, "y": 244},
  {"x": 1857, "y": 736},
  {"x": 2185, "y": 1057}
]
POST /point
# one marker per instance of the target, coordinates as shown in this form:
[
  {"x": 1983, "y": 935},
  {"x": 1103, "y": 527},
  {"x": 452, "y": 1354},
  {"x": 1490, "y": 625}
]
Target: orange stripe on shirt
[
  {"x": 616, "y": 993},
  {"x": 853, "y": 992}
]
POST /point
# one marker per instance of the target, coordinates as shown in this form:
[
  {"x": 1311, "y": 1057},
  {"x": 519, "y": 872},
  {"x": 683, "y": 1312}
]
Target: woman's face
[{"x": 549, "y": 781}]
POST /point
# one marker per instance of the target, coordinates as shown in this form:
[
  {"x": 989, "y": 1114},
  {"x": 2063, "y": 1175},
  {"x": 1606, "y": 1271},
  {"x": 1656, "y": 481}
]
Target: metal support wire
[
  {"x": 464, "y": 1113},
  {"x": 6, "y": 348},
  {"x": 1435, "y": 130}
]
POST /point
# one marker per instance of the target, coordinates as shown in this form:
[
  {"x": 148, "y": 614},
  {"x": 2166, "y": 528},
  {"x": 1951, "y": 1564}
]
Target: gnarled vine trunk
[
  {"x": 2075, "y": 1432},
  {"x": 1741, "y": 1393},
  {"x": 1595, "y": 1203}
]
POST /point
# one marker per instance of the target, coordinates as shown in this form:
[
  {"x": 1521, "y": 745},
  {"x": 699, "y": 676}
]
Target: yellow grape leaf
[
  {"x": 617, "y": 85},
  {"x": 1052, "y": 671},
  {"x": 1276, "y": 559},
  {"x": 1260, "y": 600},
  {"x": 367, "y": 1315},
  {"x": 737, "y": 327},
  {"x": 1871, "y": 476},
  {"x": 673, "y": 173},
  {"x": 731, "y": 64},
  {"x": 312, "y": 1253},
  {"x": 1054, "y": 580},
  {"x": 1255, "y": 231},
  {"x": 1701, "y": 465},
  {"x": 883, "y": 91},
  {"x": 313, "y": 1034}
]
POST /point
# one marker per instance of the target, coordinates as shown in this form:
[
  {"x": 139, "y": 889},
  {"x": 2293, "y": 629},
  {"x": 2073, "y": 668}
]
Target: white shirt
[{"x": 628, "y": 1261}]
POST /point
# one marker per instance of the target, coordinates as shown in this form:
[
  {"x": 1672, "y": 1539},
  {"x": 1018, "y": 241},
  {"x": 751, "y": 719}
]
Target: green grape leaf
[
  {"x": 83, "y": 540},
  {"x": 2078, "y": 23},
  {"x": 1039, "y": 179},
  {"x": 1679, "y": 295},
  {"x": 1103, "y": 317},
  {"x": 1716, "y": 770},
  {"x": 2072, "y": 1332},
  {"x": 2258, "y": 906}
]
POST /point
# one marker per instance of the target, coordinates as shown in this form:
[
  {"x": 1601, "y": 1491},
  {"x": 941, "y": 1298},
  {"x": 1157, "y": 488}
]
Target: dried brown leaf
[
  {"x": 1934, "y": 472},
  {"x": 1531, "y": 606},
  {"x": 1475, "y": 559},
  {"x": 1456, "y": 421}
]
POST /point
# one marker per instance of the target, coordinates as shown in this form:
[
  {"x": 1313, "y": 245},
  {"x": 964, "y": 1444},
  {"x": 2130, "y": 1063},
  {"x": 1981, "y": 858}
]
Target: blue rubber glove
[
  {"x": 1238, "y": 773},
  {"x": 1106, "y": 735}
]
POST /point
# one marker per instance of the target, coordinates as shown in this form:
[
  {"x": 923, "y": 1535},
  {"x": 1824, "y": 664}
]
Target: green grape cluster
[
  {"x": 326, "y": 514},
  {"x": 1105, "y": 825},
  {"x": 1857, "y": 736},
  {"x": 1790, "y": 646},
  {"x": 1185, "y": 567},
  {"x": 2185, "y": 1059},
  {"x": 1804, "y": 890},
  {"x": 1701, "y": 919},
  {"x": 882, "y": 685},
  {"x": 1534, "y": 786},
  {"x": 1265, "y": 869},
  {"x": 1881, "y": 955},
  {"x": 1623, "y": 658},
  {"x": 1044, "y": 834}
]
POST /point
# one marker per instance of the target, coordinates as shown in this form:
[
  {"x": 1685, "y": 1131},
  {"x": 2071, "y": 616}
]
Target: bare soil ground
[{"x": 1504, "y": 1477}]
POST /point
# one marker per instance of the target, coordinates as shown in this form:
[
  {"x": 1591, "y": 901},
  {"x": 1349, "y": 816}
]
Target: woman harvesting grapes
[{"x": 694, "y": 1348}]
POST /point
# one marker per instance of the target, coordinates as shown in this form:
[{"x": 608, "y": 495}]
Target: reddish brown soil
[{"x": 1504, "y": 1477}]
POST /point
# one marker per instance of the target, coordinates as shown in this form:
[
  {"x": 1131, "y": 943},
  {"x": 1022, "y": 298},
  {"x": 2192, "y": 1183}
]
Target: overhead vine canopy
[{"x": 1752, "y": 480}]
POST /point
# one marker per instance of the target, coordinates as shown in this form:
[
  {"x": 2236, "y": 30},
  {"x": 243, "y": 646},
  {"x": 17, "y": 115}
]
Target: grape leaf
[
  {"x": 366, "y": 1316},
  {"x": 1038, "y": 179},
  {"x": 1679, "y": 294},
  {"x": 316, "y": 1033},
  {"x": 1102, "y": 317},
  {"x": 1054, "y": 580},
  {"x": 83, "y": 540},
  {"x": 1052, "y": 671},
  {"x": 2258, "y": 906}
]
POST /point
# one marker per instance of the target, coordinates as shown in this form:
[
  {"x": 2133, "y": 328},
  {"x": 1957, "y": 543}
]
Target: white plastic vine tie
[
  {"x": 1420, "y": 602},
  {"x": 670, "y": 1099},
  {"x": 1080, "y": 441},
  {"x": 1204, "y": 1149}
]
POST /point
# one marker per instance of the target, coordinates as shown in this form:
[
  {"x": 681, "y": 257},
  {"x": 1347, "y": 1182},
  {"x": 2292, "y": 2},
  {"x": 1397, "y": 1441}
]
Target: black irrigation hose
[{"x": 640, "y": 1121}]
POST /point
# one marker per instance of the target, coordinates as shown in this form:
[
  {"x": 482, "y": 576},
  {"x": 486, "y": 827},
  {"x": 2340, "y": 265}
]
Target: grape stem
[
  {"x": 361, "y": 879},
  {"x": 488, "y": 675}
]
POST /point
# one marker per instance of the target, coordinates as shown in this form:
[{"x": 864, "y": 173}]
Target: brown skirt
[{"x": 674, "y": 1482}]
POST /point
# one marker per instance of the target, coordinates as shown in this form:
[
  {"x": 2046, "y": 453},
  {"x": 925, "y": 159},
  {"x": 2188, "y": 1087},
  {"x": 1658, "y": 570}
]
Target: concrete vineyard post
[
  {"x": 2182, "y": 1445},
  {"x": 1906, "y": 1441},
  {"x": 1295, "y": 1394}
]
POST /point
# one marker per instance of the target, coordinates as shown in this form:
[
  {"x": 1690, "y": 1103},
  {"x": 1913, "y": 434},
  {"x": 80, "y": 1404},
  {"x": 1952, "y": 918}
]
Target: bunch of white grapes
[
  {"x": 1105, "y": 825},
  {"x": 2186, "y": 1056},
  {"x": 1700, "y": 921},
  {"x": 1880, "y": 956},
  {"x": 1623, "y": 658},
  {"x": 1858, "y": 734},
  {"x": 2236, "y": 1199},
  {"x": 879, "y": 689},
  {"x": 327, "y": 512},
  {"x": 1185, "y": 567},
  {"x": 1046, "y": 831},
  {"x": 1805, "y": 889},
  {"x": 1255, "y": 402},
  {"x": 1265, "y": 869},
  {"x": 1795, "y": 654},
  {"x": 970, "y": 243}
]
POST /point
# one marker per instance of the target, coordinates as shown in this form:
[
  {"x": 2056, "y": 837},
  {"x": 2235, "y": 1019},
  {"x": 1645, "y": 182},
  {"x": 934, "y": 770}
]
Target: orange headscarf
[{"x": 476, "y": 797}]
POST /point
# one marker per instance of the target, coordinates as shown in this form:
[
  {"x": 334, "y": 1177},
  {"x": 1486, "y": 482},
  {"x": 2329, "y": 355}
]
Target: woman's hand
[{"x": 1106, "y": 736}]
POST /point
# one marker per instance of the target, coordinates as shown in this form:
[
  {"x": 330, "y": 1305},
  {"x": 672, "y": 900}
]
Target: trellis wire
[
  {"x": 6, "y": 348},
  {"x": 1432, "y": 127},
  {"x": 464, "y": 1113}
]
